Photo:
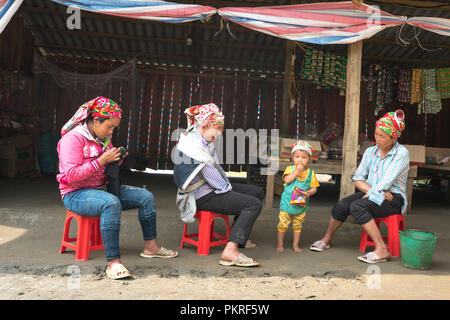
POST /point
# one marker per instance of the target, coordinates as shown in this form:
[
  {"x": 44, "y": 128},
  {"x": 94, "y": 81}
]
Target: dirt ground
[{"x": 32, "y": 219}]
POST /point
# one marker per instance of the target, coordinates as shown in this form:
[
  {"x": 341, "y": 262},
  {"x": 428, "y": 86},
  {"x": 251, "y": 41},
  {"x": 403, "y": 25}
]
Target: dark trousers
[
  {"x": 244, "y": 202},
  {"x": 364, "y": 210}
]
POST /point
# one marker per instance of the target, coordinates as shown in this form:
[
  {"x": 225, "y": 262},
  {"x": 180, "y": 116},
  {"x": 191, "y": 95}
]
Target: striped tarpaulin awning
[
  {"x": 437, "y": 25},
  {"x": 319, "y": 23},
  {"x": 161, "y": 11},
  {"x": 7, "y": 10}
]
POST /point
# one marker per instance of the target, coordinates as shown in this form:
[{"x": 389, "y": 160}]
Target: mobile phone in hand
[{"x": 123, "y": 150}]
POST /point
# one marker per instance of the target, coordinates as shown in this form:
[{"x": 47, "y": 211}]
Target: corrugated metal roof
[{"x": 110, "y": 38}]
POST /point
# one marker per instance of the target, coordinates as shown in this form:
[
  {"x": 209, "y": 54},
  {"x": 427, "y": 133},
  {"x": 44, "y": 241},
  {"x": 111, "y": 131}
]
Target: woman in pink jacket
[{"x": 84, "y": 152}]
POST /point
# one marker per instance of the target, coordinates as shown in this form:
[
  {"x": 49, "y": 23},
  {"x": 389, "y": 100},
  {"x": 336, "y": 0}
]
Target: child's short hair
[{"x": 302, "y": 145}]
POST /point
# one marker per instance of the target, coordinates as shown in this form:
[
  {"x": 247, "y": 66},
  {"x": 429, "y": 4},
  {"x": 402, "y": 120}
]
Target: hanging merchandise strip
[
  {"x": 381, "y": 89},
  {"x": 404, "y": 86},
  {"x": 161, "y": 122},
  {"x": 234, "y": 101},
  {"x": 391, "y": 75},
  {"x": 139, "y": 118},
  {"x": 371, "y": 82},
  {"x": 324, "y": 69},
  {"x": 149, "y": 121},
  {"x": 170, "y": 120},
  {"x": 443, "y": 82},
  {"x": 416, "y": 91},
  {"x": 431, "y": 102}
]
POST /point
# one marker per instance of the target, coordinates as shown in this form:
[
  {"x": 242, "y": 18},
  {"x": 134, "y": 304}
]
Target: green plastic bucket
[{"x": 417, "y": 248}]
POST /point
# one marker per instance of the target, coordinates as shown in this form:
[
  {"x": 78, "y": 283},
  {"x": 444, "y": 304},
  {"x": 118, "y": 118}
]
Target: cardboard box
[
  {"x": 416, "y": 154},
  {"x": 285, "y": 147},
  {"x": 437, "y": 154},
  {"x": 16, "y": 156}
]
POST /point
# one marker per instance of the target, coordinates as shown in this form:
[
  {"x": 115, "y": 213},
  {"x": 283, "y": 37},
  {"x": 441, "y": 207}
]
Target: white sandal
[
  {"x": 319, "y": 246},
  {"x": 118, "y": 271}
]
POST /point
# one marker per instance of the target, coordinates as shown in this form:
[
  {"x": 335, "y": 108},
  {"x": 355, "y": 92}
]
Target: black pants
[
  {"x": 244, "y": 201},
  {"x": 364, "y": 210}
]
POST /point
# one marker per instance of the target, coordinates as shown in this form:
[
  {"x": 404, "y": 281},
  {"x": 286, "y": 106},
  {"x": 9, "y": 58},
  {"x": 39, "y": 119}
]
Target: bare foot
[
  {"x": 297, "y": 249},
  {"x": 230, "y": 252},
  {"x": 382, "y": 253},
  {"x": 280, "y": 249}
]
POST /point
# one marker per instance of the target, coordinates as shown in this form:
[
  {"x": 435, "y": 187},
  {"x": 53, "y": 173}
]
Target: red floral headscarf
[
  {"x": 393, "y": 123},
  {"x": 205, "y": 114},
  {"x": 99, "y": 107}
]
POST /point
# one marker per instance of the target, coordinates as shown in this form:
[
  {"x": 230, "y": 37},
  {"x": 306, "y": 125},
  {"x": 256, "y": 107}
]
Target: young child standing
[{"x": 297, "y": 175}]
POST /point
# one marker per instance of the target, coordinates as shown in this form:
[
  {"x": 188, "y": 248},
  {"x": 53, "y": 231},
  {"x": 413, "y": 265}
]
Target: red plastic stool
[
  {"x": 88, "y": 237},
  {"x": 394, "y": 224},
  {"x": 206, "y": 234}
]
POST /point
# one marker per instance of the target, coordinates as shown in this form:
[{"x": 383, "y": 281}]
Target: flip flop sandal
[
  {"x": 241, "y": 261},
  {"x": 118, "y": 271},
  {"x": 319, "y": 246},
  {"x": 372, "y": 258},
  {"x": 162, "y": 253},
  {"x": 250, "y": 244}
]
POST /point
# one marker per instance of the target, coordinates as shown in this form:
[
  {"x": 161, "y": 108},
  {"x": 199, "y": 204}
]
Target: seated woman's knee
[
  {"x": 147, "y": 198},
  {"x": 112, "y": 203},
  {"x": 255, "y": 204},
  {"x": 340, "y": 211},
  {"x": 358, "y": 209}
]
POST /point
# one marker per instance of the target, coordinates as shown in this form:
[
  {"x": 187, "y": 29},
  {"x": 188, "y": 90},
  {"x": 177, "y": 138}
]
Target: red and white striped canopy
[{"x": 319, "y": 23}]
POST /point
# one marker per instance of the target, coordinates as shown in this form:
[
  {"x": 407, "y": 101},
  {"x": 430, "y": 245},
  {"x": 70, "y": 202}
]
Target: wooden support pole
[
  {"x": 351, "y": 128},
  {"x": 284, "y": 129}
]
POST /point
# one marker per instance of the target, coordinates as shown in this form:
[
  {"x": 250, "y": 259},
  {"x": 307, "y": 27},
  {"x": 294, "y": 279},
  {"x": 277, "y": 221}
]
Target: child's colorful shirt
[{"x": 306, "y": 180}]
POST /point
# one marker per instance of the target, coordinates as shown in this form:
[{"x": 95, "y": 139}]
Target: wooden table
[
  {"x": 426, "y": 169},
  {"x": 327, "y": 167}
]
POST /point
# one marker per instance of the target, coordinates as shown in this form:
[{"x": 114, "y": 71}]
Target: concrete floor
[{"x": 32, "y": 220}]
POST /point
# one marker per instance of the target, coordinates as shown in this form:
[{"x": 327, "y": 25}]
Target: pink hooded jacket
[{"x": 78, "y": 165}]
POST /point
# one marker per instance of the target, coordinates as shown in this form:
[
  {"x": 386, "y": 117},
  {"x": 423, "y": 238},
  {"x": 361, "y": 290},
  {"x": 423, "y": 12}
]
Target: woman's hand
[
  {"x": 388, "y": 195},
  {"x": 112, "y": 155}
]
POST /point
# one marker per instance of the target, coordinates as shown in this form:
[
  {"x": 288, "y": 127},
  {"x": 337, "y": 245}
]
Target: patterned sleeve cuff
[
  {"x": 358, "y": 178},
  {"x": 96, "y": 164},
  {"x": 376, "y": 197}
]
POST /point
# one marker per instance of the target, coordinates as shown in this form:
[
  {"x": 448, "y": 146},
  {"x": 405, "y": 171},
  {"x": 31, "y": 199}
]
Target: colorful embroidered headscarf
[
  {"x": 206, "y": 114},
  {"x": 302, "y": 145},
  {"x": 100, "y": 107},
  {"x": 393, "y": 123}
]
